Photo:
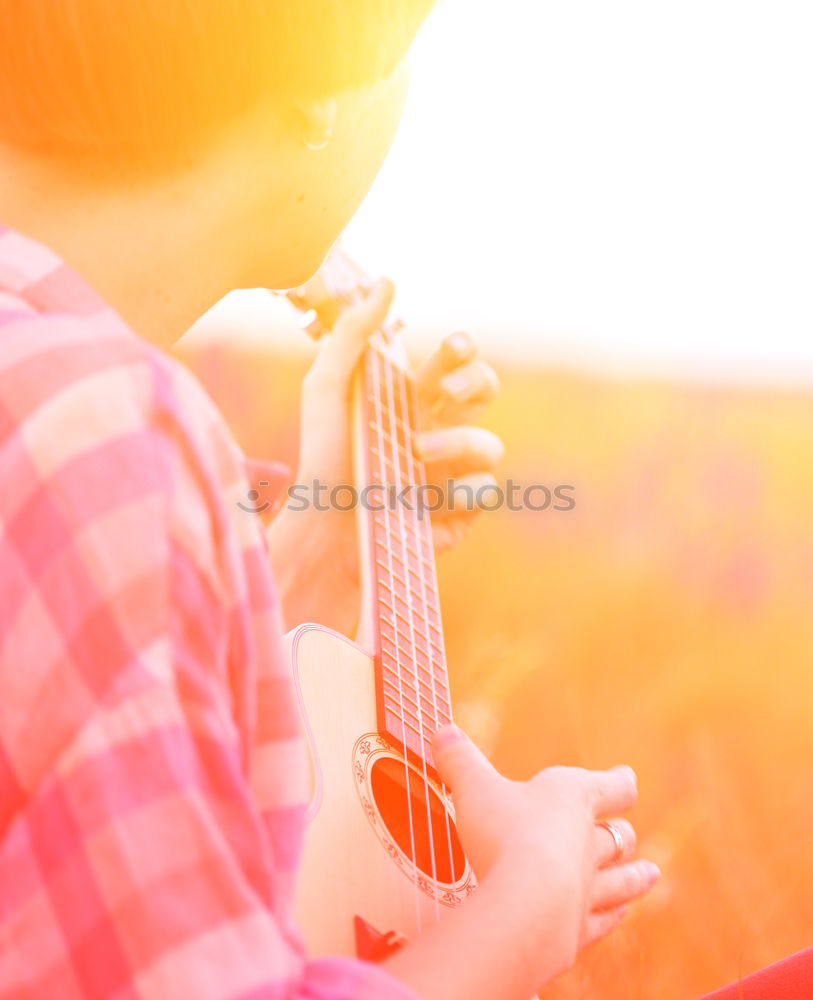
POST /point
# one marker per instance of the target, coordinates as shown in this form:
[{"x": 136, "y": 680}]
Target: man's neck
[{"x": 159, "y": 255}]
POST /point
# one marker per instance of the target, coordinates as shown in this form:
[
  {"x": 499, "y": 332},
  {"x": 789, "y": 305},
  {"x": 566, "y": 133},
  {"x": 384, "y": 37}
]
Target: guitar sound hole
[{"x": 388, "y": 784}]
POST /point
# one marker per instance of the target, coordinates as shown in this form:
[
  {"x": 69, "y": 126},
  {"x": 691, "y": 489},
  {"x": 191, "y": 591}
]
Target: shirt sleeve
[
  {"x": 142, "y": 855},
  {"x": 141, "y": 868}
]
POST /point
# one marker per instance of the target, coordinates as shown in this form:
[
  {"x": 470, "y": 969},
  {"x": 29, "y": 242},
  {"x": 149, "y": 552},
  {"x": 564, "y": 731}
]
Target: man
[{"x": 153, "y": 156}]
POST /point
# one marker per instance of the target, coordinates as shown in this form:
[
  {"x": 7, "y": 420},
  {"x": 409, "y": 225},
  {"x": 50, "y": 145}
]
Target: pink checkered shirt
[{"x": 152, "y": 775}]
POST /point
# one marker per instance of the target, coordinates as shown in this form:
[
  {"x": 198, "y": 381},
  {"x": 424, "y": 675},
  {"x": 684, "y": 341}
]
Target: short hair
[{"x": 145, "y": 83}]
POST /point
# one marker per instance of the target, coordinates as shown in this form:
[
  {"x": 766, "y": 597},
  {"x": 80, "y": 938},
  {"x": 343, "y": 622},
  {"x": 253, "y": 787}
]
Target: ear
[{"x": 317, "y": 119}]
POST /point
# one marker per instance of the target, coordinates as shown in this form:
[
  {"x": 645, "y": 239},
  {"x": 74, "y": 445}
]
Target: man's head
[{"x": 297, "y": 99}]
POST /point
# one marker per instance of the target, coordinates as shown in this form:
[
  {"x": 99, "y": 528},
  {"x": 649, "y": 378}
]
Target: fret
[
  {"x": 408, "y": 642},
  {"x": 396, "y": 470},
  {"x": 438, "y": 649},
  {"x": 377, "y": 494},
  {"x": 444, "y": 709},
  {"x": 423, "y": 660},
  {"x": 390, "y": 652},
  {"x": 437, "y": 715},
  {"x": 422, "y": 643},
  {"x": 414, "y": 692},
  {"x": 386, "y": 627},
  {"x": 440, "y": 690},
  {"x": 431, "y": 643},
  {"x": 405, "y": 715},
  {"x": 392, "y": 723},
  {"x": 425, "y": 563},
  {"x": 434, "y": 617},
  {"x": 396, "y": 605},
  {"x": 435, "y": 673},
  {"x": 398, "y": 587},
  {"x": 389, "y": 449},
  {"x": 397, "y": 419},
  {"x": 436, "y": 676},
  {"x": 399, "y": 593},
  {"x": 398, "y": 637},
  {"x": 411, "y": 572},
  {"x": 387, "y": 456},
  {"x": 401, "y": 611},
  {"x": 406, "y": 697},
  {"x": 416, "y": 741},
  {"x": 419, "y": 556},
  {"x": 421, "y": 567},
  {"x": 387, "y": 471},
  {"x": 420, "y": 648},
  {"x": 401, "y": 713},
  {"x": 394, "y": 668},
  {"x": 391, "y": 619},
  {"x": 433, "y": 710},
  {"x": 395, "y": 576},
  {"x": 403, "y": 696},
  {"x": 381, "y": 518},
  {"x": 414, "y": 689}
]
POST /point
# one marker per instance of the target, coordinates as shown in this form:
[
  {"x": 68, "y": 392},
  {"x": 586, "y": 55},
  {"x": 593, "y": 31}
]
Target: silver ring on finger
[{"x": 618, "y": 840}]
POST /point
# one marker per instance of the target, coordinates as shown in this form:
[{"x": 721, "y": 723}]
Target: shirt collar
[{"x": 35, "y": 274}]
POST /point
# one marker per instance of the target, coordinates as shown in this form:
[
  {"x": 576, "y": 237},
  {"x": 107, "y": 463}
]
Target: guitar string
[
  {"x": 422, "y": 528},
  {"x": 416, "y": 475},
  {"x": 413, "y": 463},
  {"x": 396, "y": 462},
  {"x": 371, "y": 370},
  {"x": 371, "y": 365}
]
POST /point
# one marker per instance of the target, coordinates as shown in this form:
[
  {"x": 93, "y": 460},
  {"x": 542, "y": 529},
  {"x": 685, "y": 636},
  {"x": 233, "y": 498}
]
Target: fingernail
[
  {"x": 651, "y": 872},
  {"x": 447, "y": 736},
  {"x": 459, "y": 343},
  {"x": 455, "y": 385},
  {"x": 431, "y": 445},
  {"x": 383, "y": 286},
  {"x": 631, "y": 773}
]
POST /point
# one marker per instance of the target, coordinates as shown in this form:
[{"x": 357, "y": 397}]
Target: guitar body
[{"x": 353, "y": 865}]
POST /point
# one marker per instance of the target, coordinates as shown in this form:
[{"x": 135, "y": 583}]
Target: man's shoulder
[
  {"x": 55, "y": 364},
  {"x": 98, "y": 420},
  {"x": 86, "y": 405},
  {"x": 48, "y": 357}
]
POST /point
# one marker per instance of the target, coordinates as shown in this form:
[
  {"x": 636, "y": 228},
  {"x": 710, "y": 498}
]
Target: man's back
[{"x": 144, "y": 691}]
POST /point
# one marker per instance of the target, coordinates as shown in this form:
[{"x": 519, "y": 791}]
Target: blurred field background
[
  {"x": 665, "y": 623},
  {"x": 621, "y": 188}
]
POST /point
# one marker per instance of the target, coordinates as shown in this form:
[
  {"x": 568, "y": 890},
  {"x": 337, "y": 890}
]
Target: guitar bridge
[{"x": 373, "y": 945}]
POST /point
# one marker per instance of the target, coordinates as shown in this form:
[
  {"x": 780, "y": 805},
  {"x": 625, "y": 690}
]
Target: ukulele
[{"x": 382, "y": 857}]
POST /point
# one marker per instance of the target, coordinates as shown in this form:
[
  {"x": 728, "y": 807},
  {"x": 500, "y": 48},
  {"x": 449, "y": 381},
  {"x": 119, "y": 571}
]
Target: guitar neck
[
  {"x": 402, "y": 608},
  {"x": 400, "y": 618}
]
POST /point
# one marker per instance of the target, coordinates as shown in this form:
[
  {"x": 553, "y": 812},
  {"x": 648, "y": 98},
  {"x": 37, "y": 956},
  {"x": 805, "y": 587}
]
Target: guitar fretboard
[{"x": 412, "y": 676}]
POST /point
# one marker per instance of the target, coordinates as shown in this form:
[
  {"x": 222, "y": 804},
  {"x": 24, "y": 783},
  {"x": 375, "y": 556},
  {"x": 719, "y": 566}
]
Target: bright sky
[
  {"x": 623, "y": 184},
  {"x": 620, "y": 185}
]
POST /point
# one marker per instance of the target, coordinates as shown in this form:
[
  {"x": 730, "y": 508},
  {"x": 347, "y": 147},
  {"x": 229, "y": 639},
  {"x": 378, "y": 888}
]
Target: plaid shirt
[{"x": 152, "y": 774}]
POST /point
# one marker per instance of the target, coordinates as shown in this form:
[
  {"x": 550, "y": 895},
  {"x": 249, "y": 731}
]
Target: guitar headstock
[{"x": 338, "y": 284}]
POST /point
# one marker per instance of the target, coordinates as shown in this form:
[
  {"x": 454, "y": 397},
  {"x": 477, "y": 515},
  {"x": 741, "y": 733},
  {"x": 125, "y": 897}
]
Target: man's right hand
[{"x": 541, "y": 839}]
